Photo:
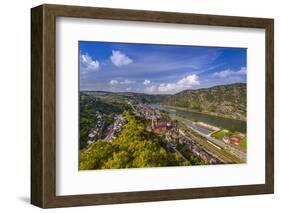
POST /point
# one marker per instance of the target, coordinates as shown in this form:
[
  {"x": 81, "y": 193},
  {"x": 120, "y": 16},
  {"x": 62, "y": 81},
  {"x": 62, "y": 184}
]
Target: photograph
[
  {"x": 155, "y": 105},
  {"x": 140, "y": 105}
]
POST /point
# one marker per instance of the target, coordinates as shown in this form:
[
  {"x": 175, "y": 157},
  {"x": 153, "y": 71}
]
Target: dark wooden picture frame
[{"x": 43, "y": 105}]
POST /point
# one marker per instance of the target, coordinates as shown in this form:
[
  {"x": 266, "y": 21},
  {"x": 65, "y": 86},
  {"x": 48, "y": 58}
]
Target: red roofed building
[
  {"x": 162, "y": 124},
  {"x": 235, "y": 140},
  {"x": 159, "y": 126}
]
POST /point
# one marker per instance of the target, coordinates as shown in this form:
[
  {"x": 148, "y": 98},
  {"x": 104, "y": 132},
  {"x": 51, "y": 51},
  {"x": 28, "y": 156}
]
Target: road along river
[
  {"x": 226, "y": 123},
  {"x": 241, "y": 155}
]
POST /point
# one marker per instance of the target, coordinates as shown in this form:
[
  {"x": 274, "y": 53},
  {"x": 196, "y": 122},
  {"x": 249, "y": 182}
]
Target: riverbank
[
  {"x": 206, "y": 130},
  {"x": 220, "y": 122},
  {"x": 220, "y": 133},
  {"x": 205, "y": 113}
]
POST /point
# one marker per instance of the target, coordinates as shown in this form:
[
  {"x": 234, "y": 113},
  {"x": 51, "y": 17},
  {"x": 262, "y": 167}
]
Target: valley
[{"x": 135, "y": 130}]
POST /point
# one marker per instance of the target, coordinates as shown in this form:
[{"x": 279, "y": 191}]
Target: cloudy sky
[{"x": 158, "y": 69}]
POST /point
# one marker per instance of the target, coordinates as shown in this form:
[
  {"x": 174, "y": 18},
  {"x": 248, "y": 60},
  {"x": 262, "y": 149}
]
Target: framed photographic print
[{"x": 137, "y": 106}]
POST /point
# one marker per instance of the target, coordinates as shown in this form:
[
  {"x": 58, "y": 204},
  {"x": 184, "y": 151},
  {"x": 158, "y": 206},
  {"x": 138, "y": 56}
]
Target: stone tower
[{"x": 153, "y": 122}]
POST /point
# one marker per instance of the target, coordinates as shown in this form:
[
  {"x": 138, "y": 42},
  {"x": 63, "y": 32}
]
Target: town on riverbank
[
  {"x": 144, "y": 105},
  {"x": 141, "y": 134}
]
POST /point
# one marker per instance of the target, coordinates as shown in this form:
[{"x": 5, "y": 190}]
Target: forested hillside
[
  {"x": 134, "y": 148},
  {"x": 225, "y": 100}
]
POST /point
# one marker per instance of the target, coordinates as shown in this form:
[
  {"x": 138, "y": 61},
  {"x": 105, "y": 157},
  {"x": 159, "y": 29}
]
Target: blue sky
[{"x": 158, "y": 69}]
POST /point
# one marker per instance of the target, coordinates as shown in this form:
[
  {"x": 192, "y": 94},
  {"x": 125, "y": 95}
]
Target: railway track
[{"x": 218, "y": 153}]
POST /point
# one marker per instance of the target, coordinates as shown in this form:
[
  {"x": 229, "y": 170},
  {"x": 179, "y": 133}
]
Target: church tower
[{"x": 153, "y": 122}]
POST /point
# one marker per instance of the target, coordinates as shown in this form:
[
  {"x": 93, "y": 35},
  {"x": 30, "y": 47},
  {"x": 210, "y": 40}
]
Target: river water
[{"x": 221, "y": 122}]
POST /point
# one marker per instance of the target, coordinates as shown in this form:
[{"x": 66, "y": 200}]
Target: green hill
[
  {"x": 124, "y": 97},
  {"x": 224, "y": 100}
]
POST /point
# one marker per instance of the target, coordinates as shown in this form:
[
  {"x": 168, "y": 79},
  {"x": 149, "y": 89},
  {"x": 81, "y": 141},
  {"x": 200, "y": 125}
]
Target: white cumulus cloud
[
  {"x": 146, "y": 82},
  {"x": 229, "y": 72},
  {"x": 114, "y": 82},
  {"x": 167, "y": 87},
  {"x": 120, "y": 59},
  {"x": 127, "y": 82},
  {"x": 182, "y": 84},
  {"x": 151, "y": 89},
  {"x": 88, "y": 64},
  {"x": 189, "y": 80},
  {"x": 124, "y": 82}
]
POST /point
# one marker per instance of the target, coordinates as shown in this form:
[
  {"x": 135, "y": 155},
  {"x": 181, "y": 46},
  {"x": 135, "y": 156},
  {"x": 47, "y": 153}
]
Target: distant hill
[
  {"x": 126, "y": 96},
  {"x": 225, "y": 100}
]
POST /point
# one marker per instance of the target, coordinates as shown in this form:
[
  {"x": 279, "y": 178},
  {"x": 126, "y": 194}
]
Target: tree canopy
[{"x": 133, "y": 148}]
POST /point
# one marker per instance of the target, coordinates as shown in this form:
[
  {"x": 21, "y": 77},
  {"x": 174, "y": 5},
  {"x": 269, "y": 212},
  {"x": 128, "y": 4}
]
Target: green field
[
  {"x": 243, "y": 144},
  {"x": 219, "y": 135}
]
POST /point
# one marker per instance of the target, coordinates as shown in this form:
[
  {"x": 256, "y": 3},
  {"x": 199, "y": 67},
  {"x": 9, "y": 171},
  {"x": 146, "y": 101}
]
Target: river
[{"x": 221, "y": 122}]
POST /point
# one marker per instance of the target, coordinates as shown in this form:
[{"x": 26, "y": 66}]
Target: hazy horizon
[{"x": 85, "y": 90}]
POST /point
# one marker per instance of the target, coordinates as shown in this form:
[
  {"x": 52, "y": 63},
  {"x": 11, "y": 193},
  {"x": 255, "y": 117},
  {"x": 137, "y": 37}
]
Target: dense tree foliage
[{"x": 133, "y": 148}]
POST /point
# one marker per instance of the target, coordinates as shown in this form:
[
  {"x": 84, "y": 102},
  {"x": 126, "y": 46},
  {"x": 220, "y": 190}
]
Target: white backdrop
[
  {"x": 71, "y": 181},
  {"x": 15, "y": 104}
]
